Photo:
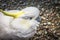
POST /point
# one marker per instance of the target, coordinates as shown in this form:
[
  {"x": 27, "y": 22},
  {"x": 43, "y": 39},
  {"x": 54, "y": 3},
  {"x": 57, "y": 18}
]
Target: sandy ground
[{"x": 50, "y": 17}]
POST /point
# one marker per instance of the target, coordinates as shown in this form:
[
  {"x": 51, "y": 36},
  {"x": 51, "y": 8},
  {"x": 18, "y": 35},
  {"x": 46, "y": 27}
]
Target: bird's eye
[
  {"x": 30, "y": 17},
  {"x": 27, "y": 17}
]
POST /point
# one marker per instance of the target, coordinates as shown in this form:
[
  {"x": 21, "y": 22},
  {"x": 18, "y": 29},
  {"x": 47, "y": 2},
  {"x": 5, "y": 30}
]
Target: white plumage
[{"x": 23, "y": 26}]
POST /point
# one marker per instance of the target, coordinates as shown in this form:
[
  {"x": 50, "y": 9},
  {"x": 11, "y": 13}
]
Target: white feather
[{"x": 20, "y": 27}]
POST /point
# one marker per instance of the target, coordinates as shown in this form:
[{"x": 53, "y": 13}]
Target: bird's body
[{"x": 14, "y": 22}]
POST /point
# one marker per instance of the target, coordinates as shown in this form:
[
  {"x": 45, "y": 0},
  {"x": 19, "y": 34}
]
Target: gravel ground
[{"x": 50, "y": 16}]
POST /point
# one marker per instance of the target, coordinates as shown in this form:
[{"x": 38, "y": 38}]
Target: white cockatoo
[{"x": 21, "y": 23}]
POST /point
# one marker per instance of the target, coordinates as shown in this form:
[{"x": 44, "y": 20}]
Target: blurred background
[{"x": 49, "y": 28}]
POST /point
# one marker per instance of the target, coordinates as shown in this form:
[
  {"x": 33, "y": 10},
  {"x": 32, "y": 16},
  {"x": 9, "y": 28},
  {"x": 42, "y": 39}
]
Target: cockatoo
[{"x": 20, "y": 23}]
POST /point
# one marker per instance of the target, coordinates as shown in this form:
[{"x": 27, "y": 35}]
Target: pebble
[{"x": 49, "y": 23}]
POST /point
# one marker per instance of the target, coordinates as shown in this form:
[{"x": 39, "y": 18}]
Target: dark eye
[
  {"x": 30, "y": 17},
  {"x": 27, "y": 17}
]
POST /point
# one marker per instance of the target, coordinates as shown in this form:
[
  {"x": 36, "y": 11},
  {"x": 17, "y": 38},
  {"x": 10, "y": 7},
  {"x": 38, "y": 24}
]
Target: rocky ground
[{"x": 50, "y": 16}]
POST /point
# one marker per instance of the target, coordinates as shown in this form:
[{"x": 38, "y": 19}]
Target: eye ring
[
  {"x": 31, "y": 17},
  {"x": 26, "y": 17}
]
